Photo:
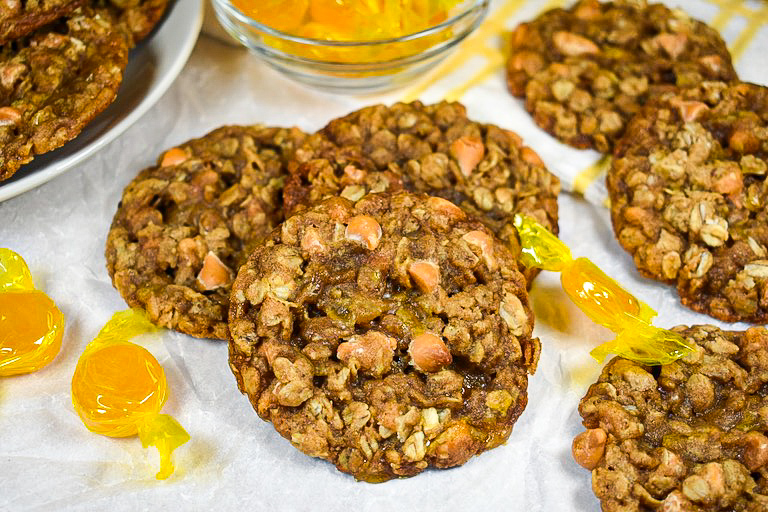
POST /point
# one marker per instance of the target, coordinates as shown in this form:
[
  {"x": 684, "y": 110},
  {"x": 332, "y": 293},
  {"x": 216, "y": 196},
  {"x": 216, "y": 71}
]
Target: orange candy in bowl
[{"x": 351, "y": 45}]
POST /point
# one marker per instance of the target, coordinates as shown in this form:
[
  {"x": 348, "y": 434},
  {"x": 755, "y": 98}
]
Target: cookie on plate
[
  {"x": 19, "y": 18},
  {"x": 185, "y": 225},
  {"x": 54, "y": 82},
  {"x": 689, "y": 195},
  {"x": 385, "y": 335},
  {"x": 139, "y": 17},
  {"x": 685, "y": 436},
  {"x": 433, "y": 149},
  {"x": 584, "y": 71}
]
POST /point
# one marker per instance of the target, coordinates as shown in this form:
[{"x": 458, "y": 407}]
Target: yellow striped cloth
[{"x": 474, "y": 74}]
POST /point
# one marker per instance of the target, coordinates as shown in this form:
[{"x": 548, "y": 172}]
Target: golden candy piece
[
  {"x": 118, "y": 389},
  {"x": 31, "y": 326},
  {"x": 602, "y": 299}
]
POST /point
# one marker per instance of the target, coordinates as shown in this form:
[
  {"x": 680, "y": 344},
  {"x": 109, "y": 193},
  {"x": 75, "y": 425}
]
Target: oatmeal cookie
[
  {"x": 686, "y": 436},
  {"x": 19, "y": 18},
  {"x": 586, "y": 70},
  {"x": 54, "y": 82},
  {"x": 433, "y": 149},
  {"x": 185, "y": 225},
  {"x": 138, "y": 17},
  {"x": 689, "y": 197},
  {"x": 385, "y": 335}
]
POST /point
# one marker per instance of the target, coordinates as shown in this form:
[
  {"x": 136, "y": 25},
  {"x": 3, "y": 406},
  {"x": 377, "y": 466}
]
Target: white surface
[
  {"x": 153, "y": 66},
  {"x": 49, "y": 461}
]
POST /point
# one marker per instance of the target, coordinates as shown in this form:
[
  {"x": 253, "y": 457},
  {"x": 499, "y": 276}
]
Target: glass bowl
[{"x": 352, "y": 66}]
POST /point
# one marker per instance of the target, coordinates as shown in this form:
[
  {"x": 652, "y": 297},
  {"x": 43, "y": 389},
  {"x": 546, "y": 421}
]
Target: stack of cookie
[
  {"x": 61, "y": 63},
  {"x": 688, "y": 192},
  {"x": 366, "y": 277}
]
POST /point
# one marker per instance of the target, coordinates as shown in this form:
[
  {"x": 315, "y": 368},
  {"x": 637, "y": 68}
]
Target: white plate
[{"x": 152, "y": 67}]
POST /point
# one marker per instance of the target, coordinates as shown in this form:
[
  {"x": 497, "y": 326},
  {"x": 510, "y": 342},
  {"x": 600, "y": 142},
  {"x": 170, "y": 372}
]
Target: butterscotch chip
[
  {"x": 55, "y": 81},
  {"x": 384, "y": 359},
  {"x": 689, "y": 198},
  {"x": 685, "y": 436},
  {"x": 18, "y": 18},
  {"x": 585, "y": 71},
  {"x": 185, "y": 225},
  {"x": 433, "y": 149}
]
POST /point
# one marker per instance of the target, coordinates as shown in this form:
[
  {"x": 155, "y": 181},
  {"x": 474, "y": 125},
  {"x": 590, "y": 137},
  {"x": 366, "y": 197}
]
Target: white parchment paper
[{"x": 49, "y": 461}]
